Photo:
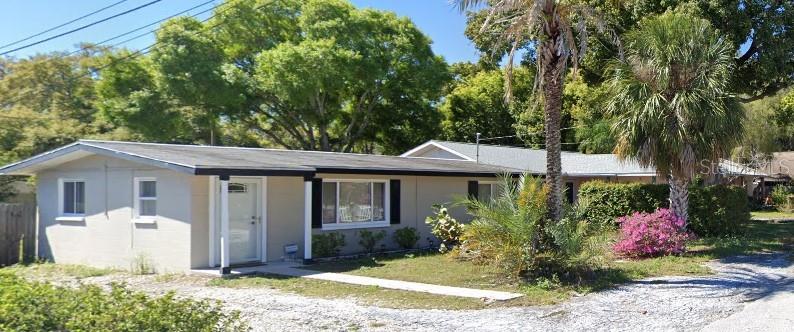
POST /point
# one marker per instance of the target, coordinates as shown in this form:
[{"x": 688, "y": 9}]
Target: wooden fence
[{"x": 17, "y": 232}]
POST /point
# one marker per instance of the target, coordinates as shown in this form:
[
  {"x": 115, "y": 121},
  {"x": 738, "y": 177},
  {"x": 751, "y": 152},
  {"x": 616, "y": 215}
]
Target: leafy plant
[
  {"x": 369, "y": 239},
  {"x": 142, "y": 264},
  {"x": 781, "y": 197},
  {"x": 406, "y": 237},
  {"x": 652, "y": 234},
  {"x": 571, "y": 233},
  {"x": 328, "y": 244},
  {"x": 507, "y": 231},
  {"x": 445, "y": 228},
  {"x": 36, "y": 306}
]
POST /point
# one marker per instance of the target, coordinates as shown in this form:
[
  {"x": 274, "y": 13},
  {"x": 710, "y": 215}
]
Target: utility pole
[{"x": 478, "y": 148}]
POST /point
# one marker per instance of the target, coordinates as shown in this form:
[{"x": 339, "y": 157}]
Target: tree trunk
[
  {"x": 552, "y": 107},
  {"x": 553, "y": 69},
  {"x": 679, "y": 196}
]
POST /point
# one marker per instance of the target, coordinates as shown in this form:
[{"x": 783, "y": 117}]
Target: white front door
[{"x": 245, "y": 220}]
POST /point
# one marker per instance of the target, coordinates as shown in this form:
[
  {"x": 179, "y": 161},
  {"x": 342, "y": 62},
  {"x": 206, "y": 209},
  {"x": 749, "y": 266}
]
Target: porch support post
[
  {"x": 225, "y": 269},
  {"x": 307, "y": 219}
]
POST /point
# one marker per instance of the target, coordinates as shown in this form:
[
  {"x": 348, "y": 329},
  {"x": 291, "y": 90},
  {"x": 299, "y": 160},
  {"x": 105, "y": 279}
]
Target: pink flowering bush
[{"x": 651, "y": 234}]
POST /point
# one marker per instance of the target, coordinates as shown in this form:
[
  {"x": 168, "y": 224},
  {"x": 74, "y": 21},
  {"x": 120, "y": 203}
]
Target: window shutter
[
  {"x": 317, "y": 203},
  {"x": 474, "y": 190},
  {"x": 394, "y": 201}
]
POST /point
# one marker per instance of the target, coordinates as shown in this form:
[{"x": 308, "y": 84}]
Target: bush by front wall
[{"x": 713, "y": 210}]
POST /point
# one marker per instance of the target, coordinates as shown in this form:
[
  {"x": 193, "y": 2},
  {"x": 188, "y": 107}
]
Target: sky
[{"x": 22, "y": 18}]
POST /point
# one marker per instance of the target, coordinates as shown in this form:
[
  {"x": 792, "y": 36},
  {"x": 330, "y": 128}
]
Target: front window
[
  {"x": 352, "y": 202},
  {"x": 146, "y": 197},
  {"x": 73, "y": 197},
  {"x": 488, "y": 191}
]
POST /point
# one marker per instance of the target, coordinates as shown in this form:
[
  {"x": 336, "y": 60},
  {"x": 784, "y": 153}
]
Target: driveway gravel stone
[{"x": 657, "y": 304}]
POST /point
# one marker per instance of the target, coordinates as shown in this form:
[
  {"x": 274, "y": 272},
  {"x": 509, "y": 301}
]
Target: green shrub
[
  {"x": 406, "y": 237},
  {"x": 717, "y": 210},
  {"x": 369, "y": 239},
  {"x": 445, "y": 228},
  {"x": 506, "y": 232},
  {"x": 782, "y": 198},
  {"x": 713, "y": 210},
  {"x": 512, "y": 233},
  {"x": 35, "y": 306},
  {"x": 328, "y": 244},
  {"x": 609, "y": 201}
]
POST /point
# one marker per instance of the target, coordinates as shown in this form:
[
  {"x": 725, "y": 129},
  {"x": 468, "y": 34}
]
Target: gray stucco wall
[
  {"x": 284, "y": 215},
  {"x": 107, "y": 237},
  {"x": 199, "y": 230}
]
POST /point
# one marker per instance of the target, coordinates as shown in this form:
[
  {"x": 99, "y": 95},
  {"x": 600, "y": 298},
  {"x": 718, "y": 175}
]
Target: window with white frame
[
  {"x": 354, "y": 202},
  {"x": 145, "y": 197},
  {"x": 488, "y": 191},
  {"x": 72, "y": 197}
]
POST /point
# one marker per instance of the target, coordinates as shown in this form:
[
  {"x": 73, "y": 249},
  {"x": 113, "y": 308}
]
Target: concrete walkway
[{"x": 294, "y": 270}]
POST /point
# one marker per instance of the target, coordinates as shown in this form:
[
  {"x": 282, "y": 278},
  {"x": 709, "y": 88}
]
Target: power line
[
  {"x": 81, "y": 27},
  {"x": 63, "y": 25},
  {"x": 530, "y": 133},
  {"x": 146, "y": 26},
  {"x": 148, "y": 49}
]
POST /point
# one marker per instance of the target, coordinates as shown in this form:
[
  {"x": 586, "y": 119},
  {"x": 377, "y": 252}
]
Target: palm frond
[{"x": 671, "y": 97}]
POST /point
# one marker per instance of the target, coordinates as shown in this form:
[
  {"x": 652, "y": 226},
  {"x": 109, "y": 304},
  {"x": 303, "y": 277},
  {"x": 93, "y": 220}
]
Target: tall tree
[
  {"x": 46, "y": 101},
  {"x": 548, "y": 25},
  {"x": 671, "y": 100},
  {"x": 765, "y": 28},
  {"x": 313, "y": 75},
  {"x": 476, "y": 104},
  {"x": 783, "y": 115}
]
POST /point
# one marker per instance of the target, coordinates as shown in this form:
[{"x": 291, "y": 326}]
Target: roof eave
[{"x": 23, "y": 167}]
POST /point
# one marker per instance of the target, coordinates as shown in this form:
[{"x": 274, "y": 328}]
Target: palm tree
[
  {"x": 549, "y": 25},
  {"x": 671, "y": 100}
]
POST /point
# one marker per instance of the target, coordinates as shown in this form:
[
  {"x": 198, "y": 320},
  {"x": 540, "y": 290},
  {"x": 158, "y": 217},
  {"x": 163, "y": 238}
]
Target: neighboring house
[
  {"x": 779, "y": 170},
  {"x": 577, "y": 168},
  {"x": 180, "y": 207}
]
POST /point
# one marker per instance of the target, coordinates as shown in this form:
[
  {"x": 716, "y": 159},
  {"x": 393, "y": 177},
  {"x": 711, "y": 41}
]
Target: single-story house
[
  {"x": 577, "y": 168},
  {"x": 182, "y": 207}
]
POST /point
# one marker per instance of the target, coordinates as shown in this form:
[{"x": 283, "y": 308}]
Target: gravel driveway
[{"x": 658, "y": 304}]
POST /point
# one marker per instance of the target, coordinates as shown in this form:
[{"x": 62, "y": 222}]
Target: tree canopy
[
  {"x": 476, "y": 104},
  {"x": 313, "y": 75},
  {"x": 46, "y": 101}
]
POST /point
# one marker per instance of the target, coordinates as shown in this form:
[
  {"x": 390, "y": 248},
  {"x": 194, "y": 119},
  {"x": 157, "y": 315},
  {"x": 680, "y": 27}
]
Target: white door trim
[
  {"x": 258, "y": 209},
  {"x": 214, "y": 190},
  {"x": 263, "y": 204},
  {"x": 212, "y": 218}
]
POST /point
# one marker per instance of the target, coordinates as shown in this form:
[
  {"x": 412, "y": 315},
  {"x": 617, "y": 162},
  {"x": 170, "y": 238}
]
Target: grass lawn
[
  {"x": 447, "y": 270},
  {"x": 772, "y": 215},
  {"x": 48, "y": 270}
]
